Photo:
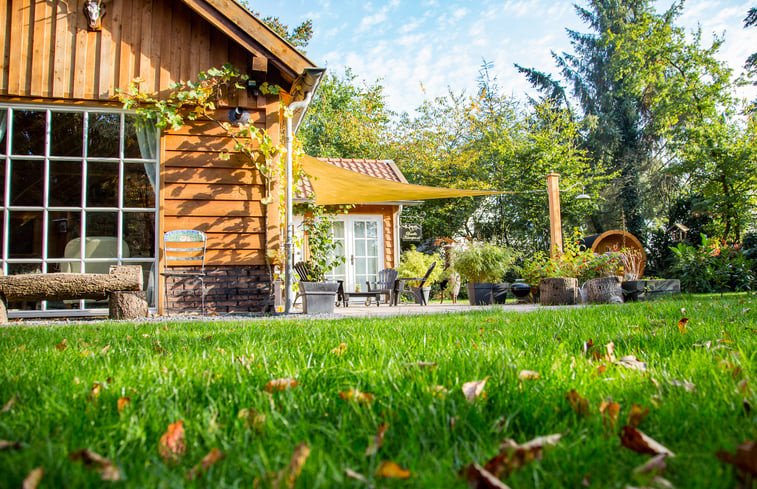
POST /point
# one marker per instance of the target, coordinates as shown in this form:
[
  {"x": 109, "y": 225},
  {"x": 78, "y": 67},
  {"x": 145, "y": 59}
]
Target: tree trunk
[
  {"x": 604, "y": 290},
  {"x": 556, "y": 291},
  {"x": 70, "y": 286},
  {"x": 127, "y": 304}
]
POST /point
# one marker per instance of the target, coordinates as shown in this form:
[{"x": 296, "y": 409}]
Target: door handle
[{"x": 352, "y": 259}]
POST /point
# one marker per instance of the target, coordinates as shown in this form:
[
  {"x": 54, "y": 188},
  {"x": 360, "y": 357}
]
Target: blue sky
[{"x": 421, "y": 48}]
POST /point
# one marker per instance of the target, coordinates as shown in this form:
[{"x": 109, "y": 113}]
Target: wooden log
[
  {"x": 558, "y": 291},
  {"x": 70, "y": 286},
  {"x": 604, "y": 290},
  {"x": 127, "y": 304},
  {"x": 3, "y": 310}
]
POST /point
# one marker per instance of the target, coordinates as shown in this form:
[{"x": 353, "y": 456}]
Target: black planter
[
  {"x": 318, "y": 297},
  {"x": 479, "y": 294},
  {"x": 499, "y": 293},
  {"x": 520, "y": 291}
]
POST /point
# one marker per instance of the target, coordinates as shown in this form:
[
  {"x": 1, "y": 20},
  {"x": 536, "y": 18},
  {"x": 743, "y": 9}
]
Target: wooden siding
[{"x": 48, "y": 52}]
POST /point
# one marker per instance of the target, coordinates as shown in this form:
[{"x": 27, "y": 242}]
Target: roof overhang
[{"x": 251, "y": 33}]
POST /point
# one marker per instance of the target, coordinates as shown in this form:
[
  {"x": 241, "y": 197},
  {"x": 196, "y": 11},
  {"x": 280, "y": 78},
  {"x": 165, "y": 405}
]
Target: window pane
[
  {"x": 26, "y": 182},
  {"x": 138, "y": 191},
  {"x": 139, "y": 233},
  {"x": 20, "y": 268},
  {"x": 66, "y": 131},
  {"x": 28, "y": 132},
  {"x": 102, "y": 224},
  {"x": 103, "y": 138},
  {"x": 102, "y": 184},
  {"x": 65, "y": 183},
  {"x": 131, "y": 143},
  {"x": 62, "y": 229},
  {"x": 359, "y": 229},
  {"x": 371, "y": 229},
  {"x": 360, "y": 248},
  {"x": 25, "y": 235}
]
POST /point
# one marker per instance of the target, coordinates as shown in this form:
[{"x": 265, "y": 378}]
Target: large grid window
[{"x": 79, "y": 193}]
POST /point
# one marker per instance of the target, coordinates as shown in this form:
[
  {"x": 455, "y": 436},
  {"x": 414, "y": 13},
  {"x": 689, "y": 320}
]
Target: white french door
[{"x": 362, "y": 246}]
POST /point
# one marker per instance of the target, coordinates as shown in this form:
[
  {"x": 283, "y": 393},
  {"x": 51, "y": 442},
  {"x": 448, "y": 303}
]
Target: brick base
[{"x": 228, "y": 289}]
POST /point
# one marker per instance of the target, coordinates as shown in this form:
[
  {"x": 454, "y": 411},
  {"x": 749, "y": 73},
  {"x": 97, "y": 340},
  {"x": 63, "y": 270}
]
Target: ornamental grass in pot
[{"x": 483, "y": 265}]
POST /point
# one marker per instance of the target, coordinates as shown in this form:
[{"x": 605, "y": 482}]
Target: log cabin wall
[{"x": 49, "y": 56}]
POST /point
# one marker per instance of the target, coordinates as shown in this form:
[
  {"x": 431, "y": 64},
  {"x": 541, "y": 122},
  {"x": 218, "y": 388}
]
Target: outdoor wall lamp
[
  {"x": 583, "y": 195},
  {"x": 239, "y": 116}
]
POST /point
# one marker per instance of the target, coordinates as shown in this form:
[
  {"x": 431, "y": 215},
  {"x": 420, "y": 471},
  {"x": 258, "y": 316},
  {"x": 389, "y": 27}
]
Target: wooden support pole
[{"x": 555, "y": 224}]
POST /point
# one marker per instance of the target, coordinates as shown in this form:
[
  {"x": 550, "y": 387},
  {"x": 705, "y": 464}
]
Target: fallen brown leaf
[
  {"x": 280, "y": 384},
  {"x": 609, "y": 411},
  {"x": 513, "y": 456},
  {"x": 357, "y": 396},
  {"x": 391, "y": 470},
  {"x": 123, "y": 402},
  {"x": 639, "y": 442},
  {"x": 105, "y": 350},
  {"x": 62, "y": 346},
  {"x": 682, "y": 325},
  {"x": 95, "y": 392},
  {"x": 253, "y": 418},
  {"x": 213, "y": 457},
  {"x": 376, "y": 441},
  {"x": 473, "y": 389},
  {"x": 172, "y": 445},
  {"x": 32, "y": 480},
  {"x": 9, "y": 405},
  {"x": 580, "y": 404},
  {"x": 654, "y": 466},
  {"x": 744, "y": 460},
  {"x": 637, "y": 415},
  {"x": 339, "y": 350},
  {"x": 528, "y": 375},
  {"x": 590, "y": 351},
  {"x": 290, "y": 474},
  {"x": 91, "y": 460},
  {"x": 631, "y": 362},
  {"x": 10, "y": 445},
  {"x": 610, "y": 352},
  {"x": 480, "y": 478}
]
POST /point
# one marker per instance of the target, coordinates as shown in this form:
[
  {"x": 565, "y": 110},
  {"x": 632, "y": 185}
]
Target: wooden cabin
[{"x": 84, "y": 187}]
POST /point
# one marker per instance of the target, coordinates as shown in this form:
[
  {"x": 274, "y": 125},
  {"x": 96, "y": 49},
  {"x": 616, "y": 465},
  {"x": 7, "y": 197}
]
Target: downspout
[{"x": 288, "y": 246}]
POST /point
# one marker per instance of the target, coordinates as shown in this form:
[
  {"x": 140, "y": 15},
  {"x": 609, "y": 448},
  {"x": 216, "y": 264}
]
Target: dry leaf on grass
[
  {"x": 630, "y": 361},
  {"x": 580, "y": 404},
  {"x": 654, "y": 466},
  {"x": 682, "y": 325},
  {"x": 123, "y": 402},
  {"x": 480, "y": 478},
  {"x": 474, "y": 389},
  {"x": 9, "y": 405},
  {"x": 357, "y": 476},
  {"x": 528, "y": 375},
  {"x": 744, "y": 460},
  {"x": 213, "y": 457},
  {"x": 290, "y": 474},
  {"x": 10, "y": 445},
  {"x": 339, "y": 350},
  {"x": 172, "y": 446},
  {"x": 357, "y": 396},
  {"x": 95, "y": 392},
  {"x": 610, "y": 352},
  {"x": 376, "y": 441},
  {"x": 280, "y": 384},
  {"x": 32, "y": 480},
  {"x": 105, "y": 350},
  {"x": 62, "y": 346},
  {"x": 91, "y": 460},
  {"x": 609, "y": 411},
  {"x": 391, "y": 470},
  {"x": 639, "y": 442},
  {"x": 637, "y": 415},
  {"x": 513, "y": 456},
  {"x": 254, "y": 419}
]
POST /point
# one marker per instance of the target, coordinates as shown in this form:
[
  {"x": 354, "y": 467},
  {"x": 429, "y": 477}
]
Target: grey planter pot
[
  {"x": 499, "y": 293},
  {"x": 426, "y": 291},
  {"x": 479, "y": 294},
  {"x": 318, "y": 297},
  {"x": 647, "y": 290}
]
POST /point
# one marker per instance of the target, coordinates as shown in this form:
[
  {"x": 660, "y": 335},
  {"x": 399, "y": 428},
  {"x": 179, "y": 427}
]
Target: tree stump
[
  {"x": 558, "y": 291},
  {"x": 604, "y": 290},
  {"x": 127, "y": 304},
  {"x": 3, "y": 310},
  {"x": 70, "y": 286}
]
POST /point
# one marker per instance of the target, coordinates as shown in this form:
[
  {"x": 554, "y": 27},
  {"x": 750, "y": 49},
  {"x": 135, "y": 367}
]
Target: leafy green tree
[
  {"x": 298, "y": 36},
  {"x": 347, "y": 119},
  {"x": 751, "y": 63}
]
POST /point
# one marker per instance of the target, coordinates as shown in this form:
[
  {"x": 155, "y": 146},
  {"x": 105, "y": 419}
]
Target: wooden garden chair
[
  {"x": 185, "y": 248},
  {"x": 385, "y": 284},
  {"x": 417, "y": 292}
]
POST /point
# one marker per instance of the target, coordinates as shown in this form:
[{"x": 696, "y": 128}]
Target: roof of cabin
[{"x": 385, "y": 169}]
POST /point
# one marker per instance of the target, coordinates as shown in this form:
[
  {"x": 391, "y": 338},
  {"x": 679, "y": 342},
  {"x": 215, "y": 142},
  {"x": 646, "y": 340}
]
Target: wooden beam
[{"x": 555, "y": 224}]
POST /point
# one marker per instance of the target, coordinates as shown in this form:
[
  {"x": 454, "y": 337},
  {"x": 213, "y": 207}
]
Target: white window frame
[{"x": 6, "y": 158}]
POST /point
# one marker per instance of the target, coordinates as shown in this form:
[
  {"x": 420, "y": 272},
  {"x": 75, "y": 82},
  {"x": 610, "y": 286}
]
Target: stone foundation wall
[{"x": 228, "y": 289}]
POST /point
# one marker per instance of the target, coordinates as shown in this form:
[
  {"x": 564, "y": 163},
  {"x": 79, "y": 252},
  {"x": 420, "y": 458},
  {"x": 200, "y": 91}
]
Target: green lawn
[{"x": 192, "y": 372}]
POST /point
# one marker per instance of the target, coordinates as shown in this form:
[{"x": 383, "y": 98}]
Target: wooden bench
[{"x": 122, "y": 287}]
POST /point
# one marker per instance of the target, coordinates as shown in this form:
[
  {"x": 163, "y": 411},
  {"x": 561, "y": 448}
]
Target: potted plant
[
  {"x": 483, "y": 264},
  {"x": 319, "y": 296},
  {"x": 414, "y": 263}
]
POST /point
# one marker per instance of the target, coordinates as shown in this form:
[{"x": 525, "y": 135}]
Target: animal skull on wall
[{"x": 95, "y": 11}]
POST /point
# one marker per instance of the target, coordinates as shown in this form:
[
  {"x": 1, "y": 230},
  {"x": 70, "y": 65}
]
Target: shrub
[
  {"x": 413, "y": 263},
  {"x": 484, "y": 262},
  {"x": 711, "y": 267}
]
